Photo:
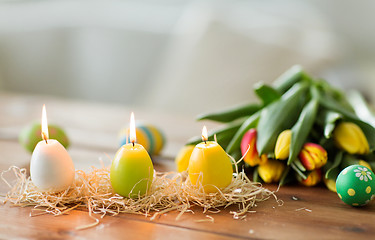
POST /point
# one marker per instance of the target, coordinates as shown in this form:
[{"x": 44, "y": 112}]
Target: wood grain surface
[{"x": 307, "y": 213}]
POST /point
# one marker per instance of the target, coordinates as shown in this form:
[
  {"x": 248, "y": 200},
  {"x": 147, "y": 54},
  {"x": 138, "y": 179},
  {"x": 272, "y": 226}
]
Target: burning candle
[
  {"x": 209, "y": 165},
  {"x": 131, "y": 170},
  {"x": 51, "y": 167}
]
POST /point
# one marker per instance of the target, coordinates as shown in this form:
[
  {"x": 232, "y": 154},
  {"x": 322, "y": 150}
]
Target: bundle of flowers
[{"x": 302, "y": 129}]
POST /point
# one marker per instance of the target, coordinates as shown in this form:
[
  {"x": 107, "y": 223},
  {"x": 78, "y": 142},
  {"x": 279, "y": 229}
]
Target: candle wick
[
  {"x": 45, "y": 137},
  {"x": 133, "y": 144},
  {"x": 205, "y": 141}
]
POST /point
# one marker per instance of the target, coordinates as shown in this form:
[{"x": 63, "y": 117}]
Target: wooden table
[{"x": 307, "y": 213}]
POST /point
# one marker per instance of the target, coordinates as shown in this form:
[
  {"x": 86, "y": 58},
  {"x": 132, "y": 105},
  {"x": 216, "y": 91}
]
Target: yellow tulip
[
  {"x": 271, "y": 171},
  {"x": 330, "y": 184},
  {"x": 182, "y": 158},
  {"x": 283, "y": 144},
  {"x": 349, "y": 137},
  {"x": 365, "y": 164}
]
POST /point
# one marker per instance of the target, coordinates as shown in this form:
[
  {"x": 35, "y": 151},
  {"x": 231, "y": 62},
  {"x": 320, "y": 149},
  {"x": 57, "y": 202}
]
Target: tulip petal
[
  {"x": 349, "y": 137},
  {"x": 283, "y": 144},
  {"x": 313, "y": 156},
  {"x": 271, "y": 171}
]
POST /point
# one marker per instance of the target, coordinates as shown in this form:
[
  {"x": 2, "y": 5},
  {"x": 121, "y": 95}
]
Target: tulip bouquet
[{"x": 302, "y": 129}]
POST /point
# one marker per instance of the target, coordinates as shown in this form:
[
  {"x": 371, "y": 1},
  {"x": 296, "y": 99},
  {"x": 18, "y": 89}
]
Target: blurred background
[{"x": 180, "y": 56}]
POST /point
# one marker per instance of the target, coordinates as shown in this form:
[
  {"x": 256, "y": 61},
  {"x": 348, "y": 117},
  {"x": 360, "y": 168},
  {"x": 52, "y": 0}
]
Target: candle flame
[
  {"x": 45, "y": 135},
  {"x": 132, "y": 129},
  {"x": 204, "y": 134}
]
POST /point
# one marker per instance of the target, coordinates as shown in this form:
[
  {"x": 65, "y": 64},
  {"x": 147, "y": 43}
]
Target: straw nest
[{"x": 169, "y": 191}]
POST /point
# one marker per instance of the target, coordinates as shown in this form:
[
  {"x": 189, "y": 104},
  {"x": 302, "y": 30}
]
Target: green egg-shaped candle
[
  {"x": 355, "y": 185},
  {"x": 132, "y": 170},
  {"x": 31, "y": 135}
]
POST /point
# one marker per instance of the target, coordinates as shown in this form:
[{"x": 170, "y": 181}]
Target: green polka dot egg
[
  {"x": 355, "y": 185},
  {"x": 149, "y": 136},
  {"x": 31, "y": 135}
]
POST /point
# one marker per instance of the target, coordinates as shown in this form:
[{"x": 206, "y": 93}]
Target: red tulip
[
  {"x": 312, "y": 179},
  {"x": 248, "y": 147},
  {"x": 313, "y": 156}
]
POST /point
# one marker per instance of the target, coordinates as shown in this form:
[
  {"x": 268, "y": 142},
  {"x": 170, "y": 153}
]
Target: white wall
[{"x": 181, "y": 56}]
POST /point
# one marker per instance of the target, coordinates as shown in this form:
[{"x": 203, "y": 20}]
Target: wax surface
[
  {"x": 210, "y": 165},
  {"x": 131, "y": 171},
  {"x": 183, "y": 157},
  {"x": 51, "y": 167}
]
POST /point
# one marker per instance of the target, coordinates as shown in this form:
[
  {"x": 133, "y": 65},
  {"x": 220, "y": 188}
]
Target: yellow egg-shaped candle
[
  {"x": 210, "y": 166},
  {"x": 183, "y": 157},
  {"x": 131, "y": 171}
]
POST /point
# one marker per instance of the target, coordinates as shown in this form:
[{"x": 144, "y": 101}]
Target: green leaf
[
  {"x": 333, "y": 174},
  {"x": 332, "y": 118},
  {"x": 330, "y": 170},
  {"x": 289, "y": 78},
  {"x": 221, "y": 133},
  {"x": 328, "y": 120},
  {"x": 369, "y": 132},
  {"x": 223, "y": 139},
  {"x": 370, "y": 157},
  {"x": 255, "y": 175},
  {"x": 348, "y": 160},
  {"x": 240, "y": 164},
  {"x": 235, "y": 143},
  {"x": 372, "y": 165},
  {"x": 278, "y": 116},
  {"x": 334, "y": 92},
  {"x": 302, "y": 128},
  {"x": 298, "y": 171},
  {"x": 236, "y": 155},
  {"x": 232, "y": 113},
  {"x": 298, "y": 164},
  {"x": 333, "y": 105},
  {"x": 266, "y": 93},
  {"x": 286, "y": 177},
  {"x": 361, "y": 108}
]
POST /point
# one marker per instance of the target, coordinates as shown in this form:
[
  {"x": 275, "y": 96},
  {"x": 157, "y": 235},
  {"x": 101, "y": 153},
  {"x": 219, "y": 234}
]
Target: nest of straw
[{"x": 169, "y": 191}]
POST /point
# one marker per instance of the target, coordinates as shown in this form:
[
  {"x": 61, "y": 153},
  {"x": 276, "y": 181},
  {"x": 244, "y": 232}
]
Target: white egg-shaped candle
[{"x": 51, "y": 167}]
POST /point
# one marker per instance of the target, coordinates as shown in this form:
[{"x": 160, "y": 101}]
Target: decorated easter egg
[
  {"x": 183, "y": 156},
  {"x": 149, "y": 136},
  {"x": 355, "y": 185},
  {"x": 31, "y": 135}
]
